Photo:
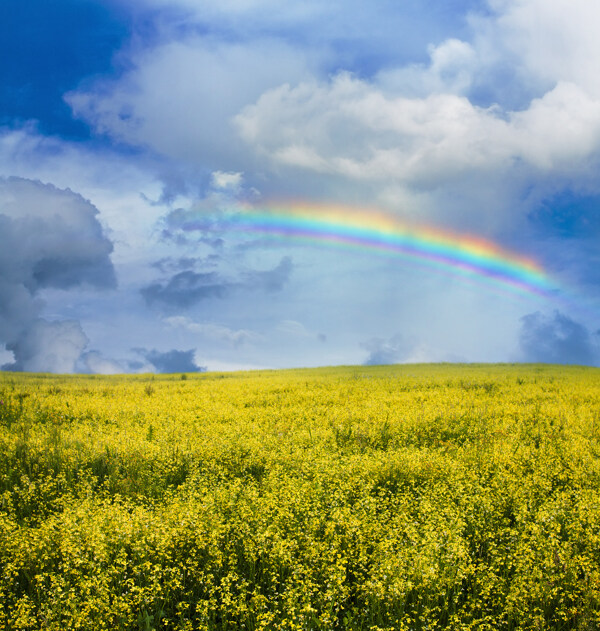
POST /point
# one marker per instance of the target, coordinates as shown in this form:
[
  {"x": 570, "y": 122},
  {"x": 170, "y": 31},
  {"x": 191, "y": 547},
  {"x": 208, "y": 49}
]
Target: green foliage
[{"x": 401, "y": 497}]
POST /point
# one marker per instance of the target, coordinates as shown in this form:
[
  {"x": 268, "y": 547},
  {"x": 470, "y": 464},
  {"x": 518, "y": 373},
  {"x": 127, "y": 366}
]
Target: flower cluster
[{"x": 371, "y": 498}]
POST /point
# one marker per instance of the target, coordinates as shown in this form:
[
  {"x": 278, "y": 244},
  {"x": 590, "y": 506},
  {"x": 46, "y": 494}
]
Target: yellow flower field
[{"x": 398, "y": 497}]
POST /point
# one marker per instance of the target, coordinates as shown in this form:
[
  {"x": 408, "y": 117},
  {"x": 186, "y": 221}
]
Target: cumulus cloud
[
  {"x": 49, "y": 238},
  {"x": 451, "y": 69},
  {"x": 556, "y": 339},
  {"x": 171, "y": 361},
  {"x": 490, "y": 112},
  {"x": 350, "y": 127},
  {"x": 553, "y": 42},
  {"x": 418, "y": 124},
  {"x": 201, "y": 82},
  {"x": 507, "y": 106}
]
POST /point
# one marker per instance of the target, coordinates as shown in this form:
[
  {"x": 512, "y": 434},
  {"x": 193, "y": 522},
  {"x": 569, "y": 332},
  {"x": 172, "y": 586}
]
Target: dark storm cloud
[
  {"x": 556, "y": 339},
  {"x": 49, "y": 238},
  {"x": 187, "y": 288},
  {"x": 171, "y": 361}
]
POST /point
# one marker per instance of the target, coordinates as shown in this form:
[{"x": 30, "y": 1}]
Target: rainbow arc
[{"x": 376, "y": 232}]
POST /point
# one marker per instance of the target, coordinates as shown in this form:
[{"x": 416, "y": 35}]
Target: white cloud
[
  {"x": 49, "y": 347},
  {"x": 95, "y": 363},
  {"x": 502, "y": 105},
  {"x": 554, "y": 41},
  {"x": 179, "y": 97},
  {"x": 349, "y": 127},
  {"x": 398, "y": 350},
  {"x": 421, "y": 130},
  {"x": 227, "y": 180},
  {"x": 451, "y": 68}
]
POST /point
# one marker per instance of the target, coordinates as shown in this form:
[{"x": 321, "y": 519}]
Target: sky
[{"x": 190, "y": 185}]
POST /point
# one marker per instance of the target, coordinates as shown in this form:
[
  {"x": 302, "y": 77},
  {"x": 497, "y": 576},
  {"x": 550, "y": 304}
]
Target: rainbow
[{"x": 372, "y": 231}]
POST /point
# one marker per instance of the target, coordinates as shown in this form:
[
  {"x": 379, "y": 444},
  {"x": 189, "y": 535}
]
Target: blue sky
[{"x": 478, "y": 117}]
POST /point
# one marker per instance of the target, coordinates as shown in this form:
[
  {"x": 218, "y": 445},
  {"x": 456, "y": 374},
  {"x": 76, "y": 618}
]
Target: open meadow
[{"x": 393, "y": 497}]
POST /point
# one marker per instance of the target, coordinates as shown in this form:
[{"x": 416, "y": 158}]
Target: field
[{"x": 398, "y": 497}]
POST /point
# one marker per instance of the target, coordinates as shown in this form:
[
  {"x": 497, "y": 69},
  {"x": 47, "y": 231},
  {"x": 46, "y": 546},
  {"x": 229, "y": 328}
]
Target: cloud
[
  {"x": 187, "y": 288},
  {"x": 207, "y": 61},
  {"x": 171, "y": 361},
  {"x": 556, "y": 339},
  {"x": 272, "y": 280},
  {"x": 226, "y": 181},
  {"x": 49, "y": 238},
  {"x": 93, "y": 362},
  {"x": 170, "y": 264},
  {"x": 399, "y": 350},
  {"x": 351, "y": 127},
  {"x": 481, "y": 113},
  {"x": 451, "y": 69},
  {"x": 48, "y": 347},
  {"x": 201, "y": 82},
  {"x": 340, "y": 31},
  {"x": 392, "y": 351},
  {"x": 487, "y": 118},
  {"x": 552, "y": 42}
]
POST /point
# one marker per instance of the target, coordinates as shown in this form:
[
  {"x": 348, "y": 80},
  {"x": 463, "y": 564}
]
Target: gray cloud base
[
  {"x": 185, "y": 289},
  {"x": 171, "y": 361}
]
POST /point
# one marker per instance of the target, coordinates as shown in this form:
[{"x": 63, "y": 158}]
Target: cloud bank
[{"x": 486, "y": 123}]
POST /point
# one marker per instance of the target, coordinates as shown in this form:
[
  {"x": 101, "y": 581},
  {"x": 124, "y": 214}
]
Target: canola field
[{"x": 399, "y": 497}]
